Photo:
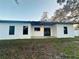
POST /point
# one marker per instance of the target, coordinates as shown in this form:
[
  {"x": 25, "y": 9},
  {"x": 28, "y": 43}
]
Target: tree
[
  {"x": 71, "y": 7},
  {"x": 60, "y": 1}
]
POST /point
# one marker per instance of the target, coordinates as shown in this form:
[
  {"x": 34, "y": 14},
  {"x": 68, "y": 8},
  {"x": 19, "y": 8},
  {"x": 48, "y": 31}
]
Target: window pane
[
  {"x": 65, "y": 30},
  {"x": 25, "y": 30},
  {"x": 11, "y": 30},
  {"x": 37, "y": 29},
  {"x": 47, "y": 32}
]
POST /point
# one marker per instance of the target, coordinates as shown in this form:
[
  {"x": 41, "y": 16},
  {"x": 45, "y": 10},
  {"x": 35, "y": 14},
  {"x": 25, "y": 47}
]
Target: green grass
[{"x": 39, "y": 48}]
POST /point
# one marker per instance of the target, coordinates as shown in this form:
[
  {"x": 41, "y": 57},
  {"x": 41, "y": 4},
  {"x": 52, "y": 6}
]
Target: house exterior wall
[
  {"x": 54, "y": 30},
  {"x": 60, "y": 31},
  {"x": 37, "y": 34},
  {"x": 76, "y": 32},
  {"x": 4, "y": 31},
  {"x": 57, "y": 30}
]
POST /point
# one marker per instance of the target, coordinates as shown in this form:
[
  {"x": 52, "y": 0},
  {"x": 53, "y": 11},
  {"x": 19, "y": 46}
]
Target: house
[{"x": 35, "y": 29}]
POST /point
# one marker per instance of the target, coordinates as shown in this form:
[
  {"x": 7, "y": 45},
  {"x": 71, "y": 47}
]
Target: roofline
[{"x": 42, "y": 22}]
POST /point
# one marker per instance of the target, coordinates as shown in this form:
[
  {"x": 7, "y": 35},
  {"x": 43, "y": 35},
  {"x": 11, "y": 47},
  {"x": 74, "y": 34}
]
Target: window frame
[
  {"x": 11, "y": 30},
  {"x": 36, "y": 28},
  {"x": 65, "y": 30},
  {"x": 25, "y": 30}
]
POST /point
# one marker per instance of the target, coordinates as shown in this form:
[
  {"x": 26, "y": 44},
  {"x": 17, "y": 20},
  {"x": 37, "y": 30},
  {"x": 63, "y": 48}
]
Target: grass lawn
[{"x": 40, "y": 48}]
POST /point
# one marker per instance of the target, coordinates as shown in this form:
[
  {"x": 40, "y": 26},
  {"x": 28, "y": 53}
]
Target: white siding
[
  {"x": 41, "y": 32},
  {"x": 54, "y": 30},
  {"x": 76, "y": 32},
  {"x": 57, "y": 30},
  {"x": 60, "y": 30},
  {"x": 4, "y": 31},
  {"x": 37, "y": 33}
]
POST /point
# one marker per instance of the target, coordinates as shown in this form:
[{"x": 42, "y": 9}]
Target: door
[{"x": 47, "y": 32}]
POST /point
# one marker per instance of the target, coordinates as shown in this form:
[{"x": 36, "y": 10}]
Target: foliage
[{"x": 70, "y": 10}]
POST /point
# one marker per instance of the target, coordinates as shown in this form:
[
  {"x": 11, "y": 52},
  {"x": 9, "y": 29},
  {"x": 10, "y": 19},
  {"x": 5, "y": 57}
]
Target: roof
[{"x": 37, "y": 22}]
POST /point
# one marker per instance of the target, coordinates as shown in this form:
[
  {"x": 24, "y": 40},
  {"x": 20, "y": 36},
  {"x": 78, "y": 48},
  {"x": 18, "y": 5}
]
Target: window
[
  {"x": 37, "y": 29},
  {"x": 65, "y": 30},
  {"x": 25, "y": 30},
  {"x": 11, "y": 30},
  {"x": 47, "y": 32}
]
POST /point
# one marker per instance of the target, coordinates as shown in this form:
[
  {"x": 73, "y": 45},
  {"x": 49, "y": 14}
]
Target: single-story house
[{"x": 35, "y": 29}]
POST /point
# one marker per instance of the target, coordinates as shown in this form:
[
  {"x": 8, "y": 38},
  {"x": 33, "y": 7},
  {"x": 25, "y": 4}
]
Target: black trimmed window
[
  {"x": 25, "y": 30},
  {"x": 11, "y": 30},
  {"x": 65, "y": 30},
  {"x": 37, "y": 29}
]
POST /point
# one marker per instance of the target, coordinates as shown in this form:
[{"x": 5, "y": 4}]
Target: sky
[{"x": 26, "y": 9}]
